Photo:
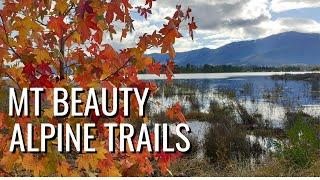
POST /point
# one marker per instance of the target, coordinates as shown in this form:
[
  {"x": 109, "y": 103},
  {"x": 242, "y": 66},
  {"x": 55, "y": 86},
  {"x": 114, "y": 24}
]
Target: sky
[{"x": 224, "y": 21}]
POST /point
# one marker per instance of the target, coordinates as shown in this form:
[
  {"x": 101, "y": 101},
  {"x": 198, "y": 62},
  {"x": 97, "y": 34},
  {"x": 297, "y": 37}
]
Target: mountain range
[{"x": 289, "y": 48}]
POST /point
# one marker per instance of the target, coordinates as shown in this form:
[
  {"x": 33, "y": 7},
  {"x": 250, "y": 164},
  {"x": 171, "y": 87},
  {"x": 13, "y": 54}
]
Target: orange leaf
[
  {"x": 57, "y": 25},
  {"x": 155, "y": 68},
  {"x": 174, "y": 113}
]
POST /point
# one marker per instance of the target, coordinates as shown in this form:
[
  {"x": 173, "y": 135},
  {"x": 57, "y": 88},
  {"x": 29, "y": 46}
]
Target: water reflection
[
  {"x": 270, "y": 98},
  {"x": 259, "y": 97}
]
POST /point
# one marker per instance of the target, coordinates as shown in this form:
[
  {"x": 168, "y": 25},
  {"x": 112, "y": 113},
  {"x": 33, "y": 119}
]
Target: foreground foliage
[{"x": 62, "y": 44}]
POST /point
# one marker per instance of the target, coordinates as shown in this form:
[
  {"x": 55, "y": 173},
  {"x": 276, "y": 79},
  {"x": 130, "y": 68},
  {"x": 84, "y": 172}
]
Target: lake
[
  {"x": 258, "y": 93},
  {"x": 217, "y": 75}
]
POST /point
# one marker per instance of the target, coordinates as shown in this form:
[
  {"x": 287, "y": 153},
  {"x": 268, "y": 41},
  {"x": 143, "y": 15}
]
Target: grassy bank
[{"x": 189, "y": 166}]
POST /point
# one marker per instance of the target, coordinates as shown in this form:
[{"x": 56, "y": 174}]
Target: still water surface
[{"x": 257, "y": 92}]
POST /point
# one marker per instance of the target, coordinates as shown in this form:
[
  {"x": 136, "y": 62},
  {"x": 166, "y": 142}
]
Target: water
[
  {"x": 216, "y": 75},
  {"x": 256, "y": 92}
]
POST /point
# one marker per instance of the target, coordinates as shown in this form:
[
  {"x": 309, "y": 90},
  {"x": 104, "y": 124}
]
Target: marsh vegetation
[{"x": 247, "y": 126}]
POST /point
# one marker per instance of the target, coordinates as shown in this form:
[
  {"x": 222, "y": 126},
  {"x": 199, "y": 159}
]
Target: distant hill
[{"x": 289, "y": 48}]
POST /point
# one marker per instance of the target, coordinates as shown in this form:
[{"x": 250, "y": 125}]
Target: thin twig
[
  {"x": 43, "y": 24},
  {"x": 68, "y": 10},
  {"x": 120, "y": 68}
]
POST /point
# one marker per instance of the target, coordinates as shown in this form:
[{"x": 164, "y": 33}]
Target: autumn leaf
[
  {"x": 26, "y": 24},
  {"x": 110, "y": 172},
  {"x": 144, "y": 11},
  {"x": 155, "y": 68},
  {"x": 192, "y": 26},
  {"x": 9, "y": 160},
  {"x": 108, "y": 168},
  {"x": 90, "y": 160},
  {"x": 57, "y": 25},
  {"x": 164, "y": 160},
  {"x": 29, "y": 162},
  {"x": 175, "y": 113},
  {"x": 61, "y": 6},
  {"x": 84, "y": 7},
  {"x": 44, "y": 68},
  {"x": 149, "y": 3},
  {"x": 68, "y": 44},
  {"x": 41, "y": 55},
  {"x": 29, "y": 69},
  {"x": 98, "y": 36},
  {"x": 64, "y": 169},
  {"x": 3, "y": 117}
]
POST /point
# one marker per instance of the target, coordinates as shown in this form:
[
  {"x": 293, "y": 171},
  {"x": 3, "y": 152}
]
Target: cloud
[
  {"x": 285, "y": 5},
  {"x": 223, "y": 22},
  {"x": 213, "y": 14},
  {"x": 294, "y": 24}
]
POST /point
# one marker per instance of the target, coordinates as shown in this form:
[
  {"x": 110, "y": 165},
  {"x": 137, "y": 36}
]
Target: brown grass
[{"x": 191, "y": 166}]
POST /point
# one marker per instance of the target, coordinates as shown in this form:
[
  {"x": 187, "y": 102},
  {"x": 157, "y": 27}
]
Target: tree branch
[
  {"x": 7, "y": 38},
  {"x": 61, "y": 60},
  {"x": 43, "y": 24}
]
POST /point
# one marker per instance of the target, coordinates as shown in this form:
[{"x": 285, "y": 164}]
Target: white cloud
[
  {"x": 223, "y": 22},
  {"x": 284, "y": 5},
  {"x": 291, "y": 24}
]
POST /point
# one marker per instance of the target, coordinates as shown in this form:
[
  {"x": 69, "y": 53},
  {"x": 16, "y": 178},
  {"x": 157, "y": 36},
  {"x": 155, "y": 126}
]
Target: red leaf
[
  {"x": 57, "y": 25},
  {"x": 29, "y": 69},
  {"x": 44, "y": 81},
  {"x": 44, "y": 68},
  {"x": 155, "y": 68},
  {"x": 192, "y": 26},
  {"x": 98, "y": 36},
  {"x": 174, "y": 113},
  {"x": 149, "y": 2}
]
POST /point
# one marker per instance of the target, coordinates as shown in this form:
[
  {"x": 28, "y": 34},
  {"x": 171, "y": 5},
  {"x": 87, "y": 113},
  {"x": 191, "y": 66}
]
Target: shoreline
[
  {"x": 218, "y": 75},
  {"x": 214, "y": 75}
]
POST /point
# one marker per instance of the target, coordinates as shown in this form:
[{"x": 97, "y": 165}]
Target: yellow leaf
[
  {"x": 61, "y": 6},
  {"x": 90, "y": 160},
  {"x": 145, "y": 120},
  {"x": 105, "y": 71},
  {"x": 110, "y": 172},
  {"x": 48, "y": 113},
  {"x": 64, "y": 170},
  {"x": 76, "y": 37},
  {"x": 29, "y": 162},
  {"x": 41, "y": 55},
  {"x": 94, "y": 84},
  {"x": 30, "y": 24},
  {"x": 9, "y": 159},
  {"x": 47, "y": 3}
]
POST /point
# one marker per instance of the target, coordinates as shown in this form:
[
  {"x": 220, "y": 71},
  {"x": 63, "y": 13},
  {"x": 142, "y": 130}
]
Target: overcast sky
[{"x": 223, "y": 21}]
